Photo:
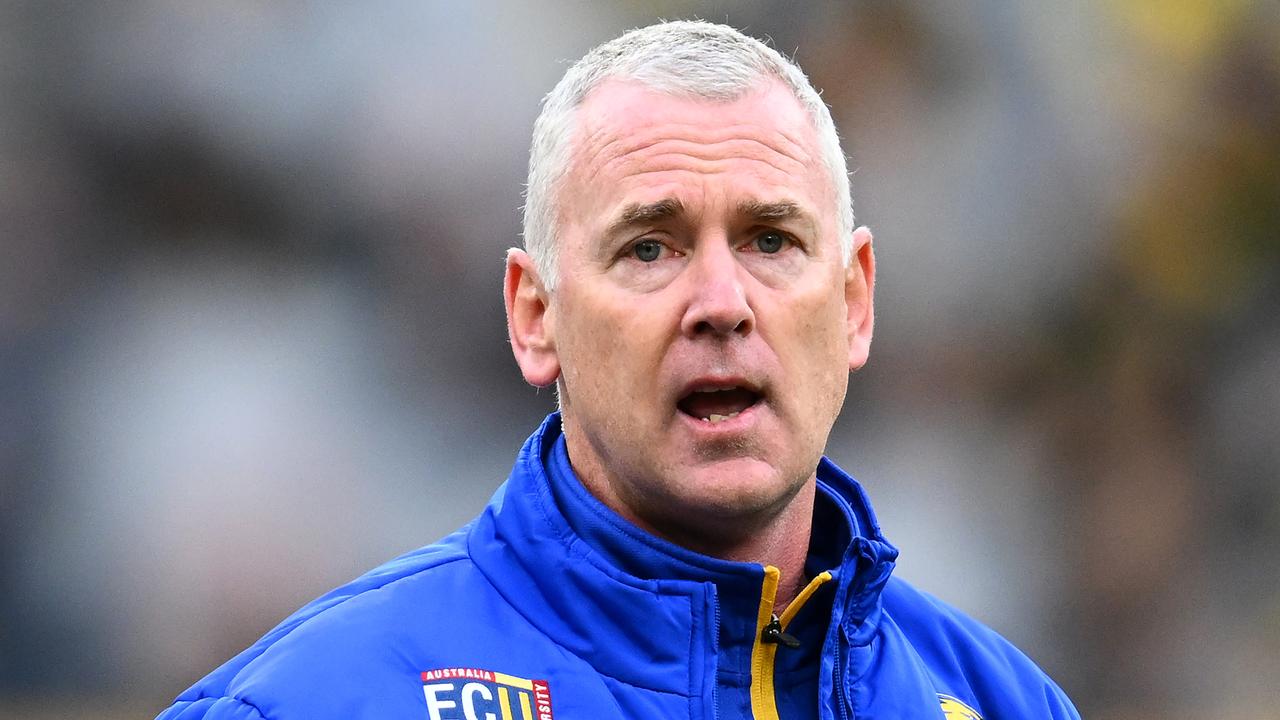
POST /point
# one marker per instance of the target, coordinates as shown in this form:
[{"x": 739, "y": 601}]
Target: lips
[{"x": 716, "y": 403}]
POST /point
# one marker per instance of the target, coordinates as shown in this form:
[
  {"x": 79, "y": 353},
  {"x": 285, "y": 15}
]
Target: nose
[{"x": 717, "y": 294}]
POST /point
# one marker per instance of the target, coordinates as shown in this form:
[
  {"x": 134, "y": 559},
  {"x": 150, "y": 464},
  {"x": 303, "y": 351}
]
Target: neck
[
  {"x": 774, "y": 536},
  {"x": 781, "y": 541},
  {"x": 775, "y": 533}
]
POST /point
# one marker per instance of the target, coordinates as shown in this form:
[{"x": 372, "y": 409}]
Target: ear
[
  {"x": 859, "y": 294},
  {"x": 529, "y": 320}
]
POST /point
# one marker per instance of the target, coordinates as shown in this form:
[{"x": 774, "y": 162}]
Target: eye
[
  {"x": 647, "y": 250},
  {"x": 770, "y": 242}
]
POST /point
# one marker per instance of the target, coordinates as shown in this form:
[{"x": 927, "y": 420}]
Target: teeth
[{"x": 713, "y": 418}]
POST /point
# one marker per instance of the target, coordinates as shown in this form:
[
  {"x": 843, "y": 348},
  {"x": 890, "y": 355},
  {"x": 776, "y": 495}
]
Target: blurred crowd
[{"x": 252, "y": 343}]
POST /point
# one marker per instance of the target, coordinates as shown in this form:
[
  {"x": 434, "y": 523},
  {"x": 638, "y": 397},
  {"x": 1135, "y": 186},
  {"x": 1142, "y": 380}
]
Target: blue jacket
[{"x": 550, "y": 605}]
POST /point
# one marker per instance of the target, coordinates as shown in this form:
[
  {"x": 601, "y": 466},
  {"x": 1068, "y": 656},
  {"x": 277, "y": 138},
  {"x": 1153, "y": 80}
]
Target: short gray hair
[{"x": 689, "y": 58}]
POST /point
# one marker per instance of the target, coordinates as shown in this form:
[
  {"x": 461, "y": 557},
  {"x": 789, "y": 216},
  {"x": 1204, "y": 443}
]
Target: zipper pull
[{"x": 773, "y": 634}]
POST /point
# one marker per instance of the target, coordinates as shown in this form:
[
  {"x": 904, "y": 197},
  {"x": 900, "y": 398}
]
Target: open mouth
[{"x": 716, "y": 405}]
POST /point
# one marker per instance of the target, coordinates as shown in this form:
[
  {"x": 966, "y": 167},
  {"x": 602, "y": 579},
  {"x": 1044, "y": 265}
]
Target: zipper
[
  {"x": 770, "y": 633},
  {"x": 773, "y": 634},
  {"x": 715, "y": 679},
  {"x": 763, "y": 703},
  {"x": 842, "y": 693}
]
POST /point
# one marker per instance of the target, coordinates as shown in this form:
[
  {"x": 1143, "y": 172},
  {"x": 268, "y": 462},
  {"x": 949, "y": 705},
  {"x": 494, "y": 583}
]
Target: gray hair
[{"x": 684, "y": 58}]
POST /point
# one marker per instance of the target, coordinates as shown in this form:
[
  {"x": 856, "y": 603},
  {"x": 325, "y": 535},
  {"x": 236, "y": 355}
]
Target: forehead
[{"x": 632, "y": 142}]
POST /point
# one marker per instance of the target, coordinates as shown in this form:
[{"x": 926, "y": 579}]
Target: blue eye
[
  {"x": 770, "y": 242},
  {"x": 647, "y": 250}
]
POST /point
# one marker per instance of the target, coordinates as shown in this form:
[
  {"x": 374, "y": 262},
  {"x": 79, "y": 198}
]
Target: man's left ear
[{"x": 859, "y": 294}]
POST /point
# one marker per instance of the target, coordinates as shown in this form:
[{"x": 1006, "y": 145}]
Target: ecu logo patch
[
  {"x": 953, "y": 709},
  {"x": 472, "y": 694}
]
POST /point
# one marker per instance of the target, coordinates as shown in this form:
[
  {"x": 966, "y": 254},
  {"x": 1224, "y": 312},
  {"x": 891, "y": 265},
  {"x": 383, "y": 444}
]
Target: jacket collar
[{"x": 589, "y": 573}]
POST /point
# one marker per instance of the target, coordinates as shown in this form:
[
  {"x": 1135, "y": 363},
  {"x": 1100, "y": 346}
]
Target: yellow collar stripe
[{"x": 763, "y": 702}]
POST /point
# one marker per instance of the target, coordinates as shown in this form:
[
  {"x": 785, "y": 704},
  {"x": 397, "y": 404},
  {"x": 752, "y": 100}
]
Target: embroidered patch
[
  {"x": 953, "y": 709},
  {"x": 473, "y": 694}
]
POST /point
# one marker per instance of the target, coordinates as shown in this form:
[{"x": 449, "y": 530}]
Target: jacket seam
[
  {"x": 256, "y": 709},
  {"x": 339, "y": 603},
  {"x": 352, "y": 596},
  {"x": 224, "y": 696}
]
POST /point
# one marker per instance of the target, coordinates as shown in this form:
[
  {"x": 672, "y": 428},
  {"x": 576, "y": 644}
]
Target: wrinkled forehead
[
  {"x": 628, "y": 132},
  {"x": 626, "y": 107}
]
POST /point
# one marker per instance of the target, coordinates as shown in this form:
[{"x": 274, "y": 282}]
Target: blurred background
[{"x": 252, "y": 341}]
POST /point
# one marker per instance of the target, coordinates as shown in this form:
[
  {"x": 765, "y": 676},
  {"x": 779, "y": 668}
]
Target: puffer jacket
[{"x": 550, "y": 605}]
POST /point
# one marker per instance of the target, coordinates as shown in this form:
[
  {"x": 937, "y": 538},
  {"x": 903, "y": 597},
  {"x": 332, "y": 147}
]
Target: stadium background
[{"x": 251, "y": 338}]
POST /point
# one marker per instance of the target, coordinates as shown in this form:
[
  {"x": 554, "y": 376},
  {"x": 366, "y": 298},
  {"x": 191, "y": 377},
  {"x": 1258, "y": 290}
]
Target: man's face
[{"x": 703, "y": 322}]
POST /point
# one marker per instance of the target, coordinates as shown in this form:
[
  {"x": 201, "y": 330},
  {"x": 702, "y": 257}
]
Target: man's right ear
[{"x": 530, "y": 325}]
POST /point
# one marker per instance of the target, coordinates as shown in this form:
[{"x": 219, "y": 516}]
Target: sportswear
[{"x": 550, "y": 605}]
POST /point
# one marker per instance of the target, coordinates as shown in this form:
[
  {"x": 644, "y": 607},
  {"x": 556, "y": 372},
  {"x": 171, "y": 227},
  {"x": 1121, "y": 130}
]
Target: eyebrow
[
  {"x": 667, "y": 208},
  {"x": 778, "y": 212},
  {"x": 770, "y": 211},
  {"x": 642, "y": 214}
]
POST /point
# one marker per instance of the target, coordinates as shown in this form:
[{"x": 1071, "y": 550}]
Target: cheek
[
  {"x": 819, "y": 319},
  {"x": 816, "y": 349},
  {"x": 605, "y": 350}
]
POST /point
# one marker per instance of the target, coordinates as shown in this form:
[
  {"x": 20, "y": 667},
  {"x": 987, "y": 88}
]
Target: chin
[{"x": 739, "y": 488}]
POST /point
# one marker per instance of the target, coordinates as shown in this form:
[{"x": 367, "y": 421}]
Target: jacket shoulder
[
  {"x": 971, "y": 662},
  {"x": 342, "y": 623},
  {"x": 211, "y": 708}
]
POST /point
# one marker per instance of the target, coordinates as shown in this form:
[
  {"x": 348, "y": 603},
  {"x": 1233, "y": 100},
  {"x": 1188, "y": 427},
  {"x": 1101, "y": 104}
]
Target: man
[{"x": 672, "y": 544}]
